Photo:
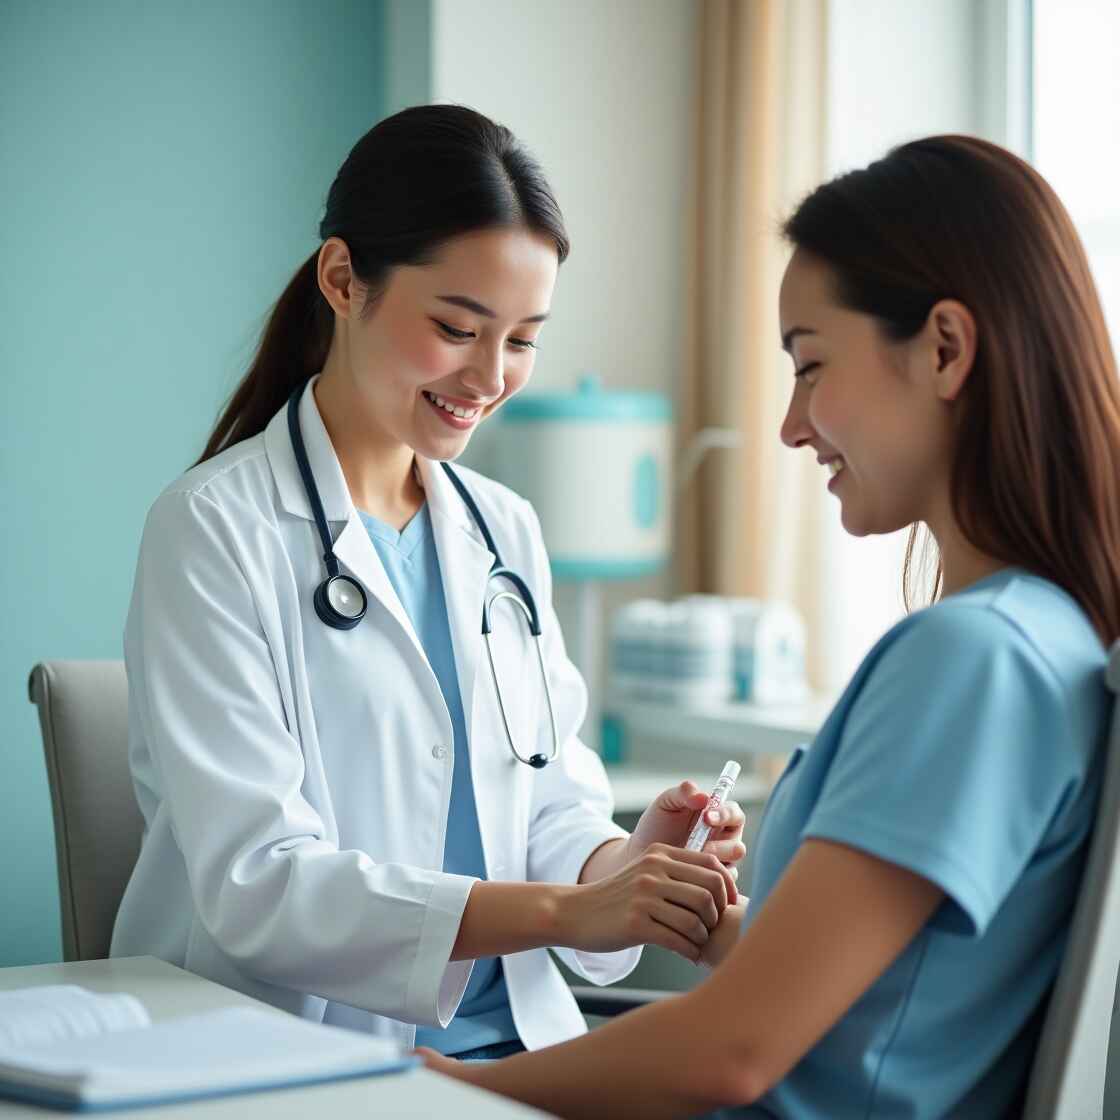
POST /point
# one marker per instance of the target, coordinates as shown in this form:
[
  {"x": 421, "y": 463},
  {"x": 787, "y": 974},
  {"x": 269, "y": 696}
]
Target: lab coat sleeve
[
  {"x": 269, "y": 885},
  {"x": 570, "y": 815}
]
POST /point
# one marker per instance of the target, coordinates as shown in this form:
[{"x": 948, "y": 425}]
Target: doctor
[{"x": 357, "y": 807}]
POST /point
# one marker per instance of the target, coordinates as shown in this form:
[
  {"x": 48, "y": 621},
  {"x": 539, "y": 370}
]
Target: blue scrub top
[
  {"x": 412, "y": 565},
  {"x": 968, "y": 748}
]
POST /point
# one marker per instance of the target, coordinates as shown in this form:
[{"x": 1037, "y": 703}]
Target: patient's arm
[{"x": 835, "y": 922}]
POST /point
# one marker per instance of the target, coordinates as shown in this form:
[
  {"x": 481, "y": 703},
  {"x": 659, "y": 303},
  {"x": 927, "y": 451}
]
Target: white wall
[
  {"x": 899, "y": 69},
  {"x": 601, "y": 91},
  {"x": 406, "y": 74}
]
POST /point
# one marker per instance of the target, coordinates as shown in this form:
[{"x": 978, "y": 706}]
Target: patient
[{"x": 916, "y": 867}]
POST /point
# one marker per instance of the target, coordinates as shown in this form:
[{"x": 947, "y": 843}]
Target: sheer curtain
[{"x": 752, "y": 522}]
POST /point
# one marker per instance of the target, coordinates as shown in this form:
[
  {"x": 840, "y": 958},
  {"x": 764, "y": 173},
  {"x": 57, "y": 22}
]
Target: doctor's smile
[{"x": 454, "y": 411}]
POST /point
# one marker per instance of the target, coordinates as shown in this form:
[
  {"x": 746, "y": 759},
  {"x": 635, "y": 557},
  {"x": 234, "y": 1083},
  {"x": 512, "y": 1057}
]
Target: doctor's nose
[
  {"x": 485, "y": 376},
  {"x": 796, "y": 431}
]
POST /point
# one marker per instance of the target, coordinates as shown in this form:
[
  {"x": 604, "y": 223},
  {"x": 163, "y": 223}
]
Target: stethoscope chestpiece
[{"x": 340, "y": 602}]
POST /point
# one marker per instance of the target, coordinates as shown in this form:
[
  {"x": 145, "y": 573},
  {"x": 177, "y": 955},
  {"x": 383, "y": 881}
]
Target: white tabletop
[{"x": 168, "y": 992}]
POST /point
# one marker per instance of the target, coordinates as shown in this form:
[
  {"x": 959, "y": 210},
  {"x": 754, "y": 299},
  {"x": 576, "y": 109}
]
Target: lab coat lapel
[
  {"x": 352, "y": 545},
  {"x": 464, "y": 564},
  {"x": 356, "y": 552}
]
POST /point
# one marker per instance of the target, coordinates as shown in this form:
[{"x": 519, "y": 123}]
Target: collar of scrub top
[{"x": 320, "y": 484}]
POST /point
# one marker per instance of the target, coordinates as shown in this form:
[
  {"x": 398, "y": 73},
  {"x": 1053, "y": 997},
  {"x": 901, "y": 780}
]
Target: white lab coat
[{"x": 295, "y": 779}]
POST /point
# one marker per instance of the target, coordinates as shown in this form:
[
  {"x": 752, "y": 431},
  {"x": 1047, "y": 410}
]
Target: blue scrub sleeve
[{"x": 948, "y": 762}]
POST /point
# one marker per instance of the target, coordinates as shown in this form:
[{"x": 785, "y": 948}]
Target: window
[{"x": 1076, "y": 127}]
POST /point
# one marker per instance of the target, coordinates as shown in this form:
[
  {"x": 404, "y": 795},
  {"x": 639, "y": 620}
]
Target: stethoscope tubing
[{"x": 338, "y": 586}]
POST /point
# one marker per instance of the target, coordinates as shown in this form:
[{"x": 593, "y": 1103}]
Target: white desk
[{"x": 168, "y": 992}]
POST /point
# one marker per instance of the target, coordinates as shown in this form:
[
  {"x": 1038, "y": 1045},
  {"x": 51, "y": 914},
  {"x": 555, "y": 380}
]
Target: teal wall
[{"x": 162, "y": 172}]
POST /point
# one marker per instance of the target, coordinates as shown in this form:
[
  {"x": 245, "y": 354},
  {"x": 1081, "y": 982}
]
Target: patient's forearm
[{"x": 664, "y": 1060}]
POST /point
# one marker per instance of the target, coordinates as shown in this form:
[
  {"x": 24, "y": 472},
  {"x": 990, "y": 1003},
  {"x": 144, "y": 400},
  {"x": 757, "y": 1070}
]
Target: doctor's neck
[{"x": 377, "y": 467}]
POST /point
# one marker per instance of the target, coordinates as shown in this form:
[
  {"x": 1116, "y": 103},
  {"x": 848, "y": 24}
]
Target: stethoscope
[{"x": 340, "y": 600}]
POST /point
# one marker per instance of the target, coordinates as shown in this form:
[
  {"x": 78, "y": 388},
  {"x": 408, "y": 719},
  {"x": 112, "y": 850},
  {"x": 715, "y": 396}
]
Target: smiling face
[
  {"x": 874, "y": 411},
  {"x": 446, "y": 343}
]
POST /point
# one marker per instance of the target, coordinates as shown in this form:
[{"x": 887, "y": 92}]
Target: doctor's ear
[
  {"x": 336, "y": 278},
  {"x": 951, "y": 334}
]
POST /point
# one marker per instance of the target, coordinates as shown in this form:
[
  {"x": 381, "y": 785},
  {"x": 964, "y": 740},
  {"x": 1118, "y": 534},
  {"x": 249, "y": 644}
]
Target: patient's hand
[
  {"x": 725, "y": 936},
  {"x": 452, "y": 1067}
]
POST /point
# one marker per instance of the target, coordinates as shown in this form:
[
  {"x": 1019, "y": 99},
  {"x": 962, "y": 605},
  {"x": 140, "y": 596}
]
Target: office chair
[
  {"x": 83, "y": 714},
  {"x": 1067, "y": 1079}
]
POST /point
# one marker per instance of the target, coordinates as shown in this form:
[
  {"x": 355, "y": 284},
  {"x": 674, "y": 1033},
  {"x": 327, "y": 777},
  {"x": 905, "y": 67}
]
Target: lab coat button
[{"x": 439, "y": 751}]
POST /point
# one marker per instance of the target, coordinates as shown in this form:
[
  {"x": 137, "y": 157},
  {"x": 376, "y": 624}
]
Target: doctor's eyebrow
[
  {"x": 791, "y": 334},
  {"x": 479, "y": 309}
]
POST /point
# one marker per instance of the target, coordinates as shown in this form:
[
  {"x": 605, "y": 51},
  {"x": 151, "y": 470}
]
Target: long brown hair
[
  {"x": 415, "y": 180},
  {"x": 1036, "y": 473}
]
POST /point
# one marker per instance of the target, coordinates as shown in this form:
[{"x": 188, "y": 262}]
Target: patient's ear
[{"x": 951, "y": 336}]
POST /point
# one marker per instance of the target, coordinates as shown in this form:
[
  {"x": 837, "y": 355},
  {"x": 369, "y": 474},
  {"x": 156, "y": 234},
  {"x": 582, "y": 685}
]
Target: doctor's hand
[
  {"x": 670, "y": 818},
  {"x": 666, "y": 896}
]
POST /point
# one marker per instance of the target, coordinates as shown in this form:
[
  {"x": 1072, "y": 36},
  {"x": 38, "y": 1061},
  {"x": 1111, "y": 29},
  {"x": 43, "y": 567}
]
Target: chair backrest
[
  {"x": 83, "y": 712},
  {"x": 1068, "y": 1076}
]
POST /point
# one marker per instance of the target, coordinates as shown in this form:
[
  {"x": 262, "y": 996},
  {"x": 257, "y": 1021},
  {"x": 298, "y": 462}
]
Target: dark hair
[
  {"x": 415, "y": 180},
  {"x": 1036, "y": 472}
]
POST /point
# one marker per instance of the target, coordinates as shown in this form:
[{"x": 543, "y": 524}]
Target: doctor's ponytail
[
  {"x": 293, "y": 348},
  {"x": 415, "y": 180}
]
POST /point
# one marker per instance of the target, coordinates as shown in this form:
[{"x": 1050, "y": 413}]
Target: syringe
[{"x": 698, "y": 837}]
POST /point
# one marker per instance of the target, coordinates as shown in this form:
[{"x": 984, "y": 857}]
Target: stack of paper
[
  {"x": 56, "y": 1011},
  {"x": 236, "y": 1049}
]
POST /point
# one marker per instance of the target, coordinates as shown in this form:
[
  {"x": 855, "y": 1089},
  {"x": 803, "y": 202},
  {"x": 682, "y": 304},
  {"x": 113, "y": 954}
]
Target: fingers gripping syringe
[{"x": 698, "y": 837}]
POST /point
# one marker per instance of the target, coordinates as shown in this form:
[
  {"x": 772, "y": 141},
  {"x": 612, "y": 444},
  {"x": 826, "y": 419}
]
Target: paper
[
  {"x": 233, "y": 1049},
  {"x": 56, "y": 1012}
]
